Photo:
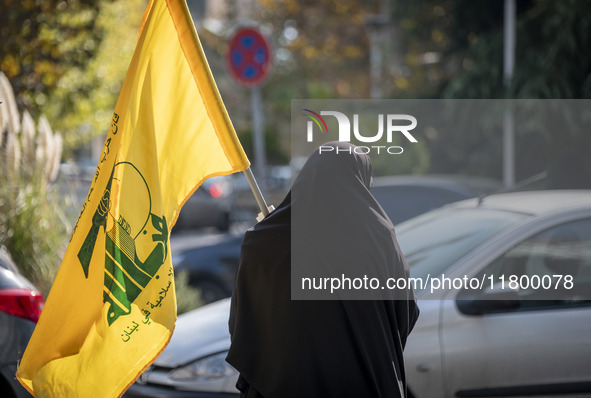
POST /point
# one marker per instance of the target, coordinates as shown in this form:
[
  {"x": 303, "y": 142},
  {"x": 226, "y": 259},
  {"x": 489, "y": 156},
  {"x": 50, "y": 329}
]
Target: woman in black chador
[{"x": 322, "y": 348}]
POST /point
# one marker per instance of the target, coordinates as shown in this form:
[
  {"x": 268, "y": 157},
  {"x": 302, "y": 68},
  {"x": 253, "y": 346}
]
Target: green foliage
[
  {"x": 320, "y": 50},
  {"x": 32, "y": 227},
  {"x": 68, "y": 58},
  {"x": 187, "y": 297},
  {"x": 414, "y": 160},
  {"x": 42, "y": 40},
  {"x": 552, "y": 61},
  {"x": 274, "y": 152},
  {"x": 82, "y": 103},
  {"x": 314, "y": 39}
]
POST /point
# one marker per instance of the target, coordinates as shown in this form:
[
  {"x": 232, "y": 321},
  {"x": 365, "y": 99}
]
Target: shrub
[{"x": 32, "y": 226}]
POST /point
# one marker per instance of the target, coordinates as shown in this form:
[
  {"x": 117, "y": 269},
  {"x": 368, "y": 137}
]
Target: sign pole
[
  {"x": 249, "y": 62},
  {"x": 260, "y": 159},
  {"x": 508, "y": 122}
]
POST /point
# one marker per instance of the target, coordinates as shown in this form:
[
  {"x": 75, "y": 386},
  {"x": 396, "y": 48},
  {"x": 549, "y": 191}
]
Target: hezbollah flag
[{"x": 112, "y": 307}]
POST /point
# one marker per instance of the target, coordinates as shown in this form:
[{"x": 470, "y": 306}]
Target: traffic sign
[{"x": 249, "y": 57}]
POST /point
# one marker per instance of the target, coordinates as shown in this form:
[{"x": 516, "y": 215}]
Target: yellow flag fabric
[{"x": 112, "y": 307}]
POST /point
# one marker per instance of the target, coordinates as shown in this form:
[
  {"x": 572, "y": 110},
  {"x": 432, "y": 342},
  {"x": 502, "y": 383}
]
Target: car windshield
[{"x": 431, "y": 243}]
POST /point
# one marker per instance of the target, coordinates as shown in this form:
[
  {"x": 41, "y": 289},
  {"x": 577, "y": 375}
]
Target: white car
[{"x": 532, "y": 338}]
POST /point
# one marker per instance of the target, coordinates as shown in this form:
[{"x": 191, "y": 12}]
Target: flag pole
[{"x": 258, "y": 195}]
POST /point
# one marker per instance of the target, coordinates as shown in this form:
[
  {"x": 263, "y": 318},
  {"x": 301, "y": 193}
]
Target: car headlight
[{"x": 204, "y": 369}]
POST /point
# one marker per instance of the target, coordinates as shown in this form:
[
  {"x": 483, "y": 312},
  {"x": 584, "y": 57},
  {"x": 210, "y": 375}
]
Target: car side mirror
[{"x": 488, "y": 301}]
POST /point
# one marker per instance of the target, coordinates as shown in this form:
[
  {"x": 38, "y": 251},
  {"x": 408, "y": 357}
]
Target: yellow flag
[{"x": 112, "y": 307}]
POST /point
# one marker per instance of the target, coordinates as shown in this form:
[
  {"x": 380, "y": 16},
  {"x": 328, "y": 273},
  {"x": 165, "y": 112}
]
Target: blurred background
[{"x": 62, "y": 64}]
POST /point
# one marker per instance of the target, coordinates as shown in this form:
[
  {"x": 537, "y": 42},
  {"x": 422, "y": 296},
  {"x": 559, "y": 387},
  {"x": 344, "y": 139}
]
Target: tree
[
  {"x": 321, "y": 51},
  {"x": 322, "y": 44},
  {"x": 68, "y": 58},
  {"x": 82, "y": 104},
  {"x": 42, "y": 40},
  {"x": 552, "y": 61}
]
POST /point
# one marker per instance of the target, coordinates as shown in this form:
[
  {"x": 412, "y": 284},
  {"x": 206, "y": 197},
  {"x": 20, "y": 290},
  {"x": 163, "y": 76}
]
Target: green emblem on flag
[{"x": 126, "y": 274}]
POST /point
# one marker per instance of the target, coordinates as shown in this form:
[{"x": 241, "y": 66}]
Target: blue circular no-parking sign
[{"x": 249, "y": 57}]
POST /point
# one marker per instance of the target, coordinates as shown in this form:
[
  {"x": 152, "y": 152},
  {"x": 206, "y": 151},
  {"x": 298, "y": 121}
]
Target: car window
[
  {"x": 431, "y": 243},
  {"x": 551, "y": 268},
  {"x": 404, "y": 202}
]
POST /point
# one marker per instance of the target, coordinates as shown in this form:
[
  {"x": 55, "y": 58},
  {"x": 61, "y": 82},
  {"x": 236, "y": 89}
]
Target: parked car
[
  {"x": 212, "y": 267},
  {"x": 210, "y": 205},
  {"x": 405, "y": 197},
  {"x": 466, "y": 343},
  {"x": 20, "y": 308},
  {"x": 211, "y": 263}
]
